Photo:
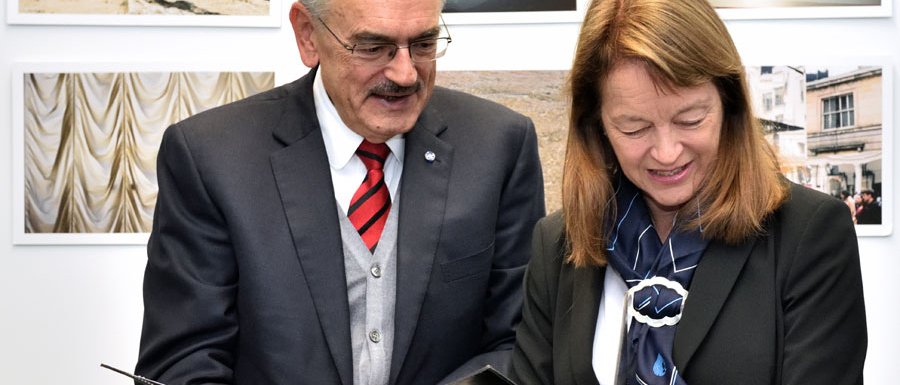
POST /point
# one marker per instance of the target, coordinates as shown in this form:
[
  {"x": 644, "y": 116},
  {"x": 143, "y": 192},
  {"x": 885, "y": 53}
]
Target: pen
[{"x": 143, "y": 380}]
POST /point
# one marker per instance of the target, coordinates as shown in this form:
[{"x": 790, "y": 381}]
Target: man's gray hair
[{"x": 318, "y": 8}]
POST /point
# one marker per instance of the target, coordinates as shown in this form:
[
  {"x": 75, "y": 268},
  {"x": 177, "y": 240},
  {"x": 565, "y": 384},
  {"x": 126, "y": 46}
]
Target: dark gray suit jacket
[
  {"x": 245, "y": 277},
  {"x": 783, "y": 308}
]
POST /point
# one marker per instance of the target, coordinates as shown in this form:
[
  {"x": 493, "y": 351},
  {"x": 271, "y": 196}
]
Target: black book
[{"x": 485, "y": 376}]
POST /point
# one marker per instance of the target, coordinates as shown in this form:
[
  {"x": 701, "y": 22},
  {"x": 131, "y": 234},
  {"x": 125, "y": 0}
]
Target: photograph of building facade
[
  {"x": 845, "y": 130},
  {"x": 825, "y": 123},
  {"x": 779, "y": 102}
]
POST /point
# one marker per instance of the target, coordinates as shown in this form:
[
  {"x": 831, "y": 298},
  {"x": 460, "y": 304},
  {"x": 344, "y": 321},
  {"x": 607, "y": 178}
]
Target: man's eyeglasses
[{"x": 377, "y": 54}]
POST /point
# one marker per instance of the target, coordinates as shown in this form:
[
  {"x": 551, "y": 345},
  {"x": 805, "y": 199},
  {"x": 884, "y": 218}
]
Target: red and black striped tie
[{"x": 371, "y": 203}]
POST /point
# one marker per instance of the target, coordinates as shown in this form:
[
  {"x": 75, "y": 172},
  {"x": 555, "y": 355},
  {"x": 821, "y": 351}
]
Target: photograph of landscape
[{"x": 147, "y": 7}]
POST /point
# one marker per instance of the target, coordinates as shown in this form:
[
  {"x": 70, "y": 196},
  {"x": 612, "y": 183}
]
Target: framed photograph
[
  {"x": 219, "y": 13},
  {"x": 85, "y": 138},
  {"x": 831, "y": 126},
  {"x": 514, "y": 11},
  {"x": 801, "y": 9},
  {"x": 536, "y": 94}
]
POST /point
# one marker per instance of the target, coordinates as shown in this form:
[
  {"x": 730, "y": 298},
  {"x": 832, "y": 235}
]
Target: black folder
[{"x": 485, "y": 376}]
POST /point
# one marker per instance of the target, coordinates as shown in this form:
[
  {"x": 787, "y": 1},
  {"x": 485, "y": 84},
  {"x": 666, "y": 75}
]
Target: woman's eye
[
  {"x": 690, "y": 122},
  {"x": 634, "y": 132}
]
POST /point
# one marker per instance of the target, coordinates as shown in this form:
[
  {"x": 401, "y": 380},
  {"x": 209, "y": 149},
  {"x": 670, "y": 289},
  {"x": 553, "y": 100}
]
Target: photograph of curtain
[{"x": 90, "y": 142}]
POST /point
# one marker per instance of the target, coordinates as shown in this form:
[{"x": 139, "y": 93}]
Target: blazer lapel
[
  {"x": 302, "y": 174},
  {"x": 712, "y": 283},
  {"x": 587, "y": 290},
  {"x": 710, "y": 287},
  {"x": 423, "y": 197}
]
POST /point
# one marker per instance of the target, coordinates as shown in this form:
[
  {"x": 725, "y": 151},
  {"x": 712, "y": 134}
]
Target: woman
[
  {"x": 673, "y": 206},
  {"x": 850, "y": 202}
]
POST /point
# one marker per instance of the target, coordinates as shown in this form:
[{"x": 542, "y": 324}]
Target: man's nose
[{"x": 401, "y": 69}]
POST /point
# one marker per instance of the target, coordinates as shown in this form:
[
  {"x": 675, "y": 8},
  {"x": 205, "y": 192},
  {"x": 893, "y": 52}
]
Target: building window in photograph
[
  {"x": 837, "y": 111},
  {"x": 767, "y": 101}
]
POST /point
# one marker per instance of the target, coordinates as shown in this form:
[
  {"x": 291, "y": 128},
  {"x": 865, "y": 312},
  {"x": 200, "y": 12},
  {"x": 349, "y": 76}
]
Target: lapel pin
[{"x": 430, "y": 156}]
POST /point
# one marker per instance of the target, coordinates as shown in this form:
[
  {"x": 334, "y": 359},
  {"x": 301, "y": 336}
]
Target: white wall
[{"x": 65, "y": 309}]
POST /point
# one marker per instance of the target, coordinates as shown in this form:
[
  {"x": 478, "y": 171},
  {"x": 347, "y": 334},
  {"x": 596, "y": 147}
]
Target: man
[
  {"x": 870, "y": 213},
  {"x": 257, "y": 274}
]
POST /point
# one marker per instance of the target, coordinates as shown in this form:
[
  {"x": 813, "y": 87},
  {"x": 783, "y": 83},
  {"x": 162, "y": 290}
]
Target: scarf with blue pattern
[{"x": 657, "y": 275}]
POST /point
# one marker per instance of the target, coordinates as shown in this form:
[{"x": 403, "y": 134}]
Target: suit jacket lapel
[
  {"x": 302, "y": 174},
  {"x": 587, "y": 291},
  {"x": 712, "y": 283},
  {"x": 423, "y": 197}
]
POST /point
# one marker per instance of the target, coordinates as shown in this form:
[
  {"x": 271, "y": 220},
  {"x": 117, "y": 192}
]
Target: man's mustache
[{"x": 391, "y": 88}]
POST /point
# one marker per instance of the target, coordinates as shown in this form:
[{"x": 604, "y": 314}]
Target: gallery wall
[{"x": 64, "y": 309}]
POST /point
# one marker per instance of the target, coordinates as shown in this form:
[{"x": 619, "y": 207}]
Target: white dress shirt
[
  {"x": 347, "y": 171},
  {"x": 610, "y": 328}
]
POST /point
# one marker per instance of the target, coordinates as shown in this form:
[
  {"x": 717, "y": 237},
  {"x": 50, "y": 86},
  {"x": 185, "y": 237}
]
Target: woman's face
[{"x": 664, "y": 140}]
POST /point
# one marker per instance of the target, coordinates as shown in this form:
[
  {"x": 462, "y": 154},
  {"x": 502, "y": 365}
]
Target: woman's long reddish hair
[{"x": 682, "y": 44}]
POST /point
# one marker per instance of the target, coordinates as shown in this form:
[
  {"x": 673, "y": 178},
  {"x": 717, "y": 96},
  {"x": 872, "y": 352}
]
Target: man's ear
[{"x": 302, "y": 22}]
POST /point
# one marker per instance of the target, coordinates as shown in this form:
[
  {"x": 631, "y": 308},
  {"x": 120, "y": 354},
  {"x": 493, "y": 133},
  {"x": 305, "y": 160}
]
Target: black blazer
[
  {"x": 245, "y": 277},
  {"x": 783, "y": 308}
]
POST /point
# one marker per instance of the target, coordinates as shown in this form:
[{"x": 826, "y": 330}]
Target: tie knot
[{"x": 373, "y": 155}]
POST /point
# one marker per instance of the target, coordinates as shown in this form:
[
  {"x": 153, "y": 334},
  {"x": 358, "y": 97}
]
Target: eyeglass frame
[{"x": 352, "y": 48}]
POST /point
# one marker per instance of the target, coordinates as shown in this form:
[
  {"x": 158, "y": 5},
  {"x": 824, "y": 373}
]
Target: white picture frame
[
  {"x": 884, "y": 9},
  {"x": 272, "y": 20},
  {"x": 19, "y": 71}
]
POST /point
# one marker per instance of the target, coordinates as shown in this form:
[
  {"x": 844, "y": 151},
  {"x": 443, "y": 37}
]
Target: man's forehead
[
  {"x": 395, "y": 9},
  {"x": 389, "y": 22}
]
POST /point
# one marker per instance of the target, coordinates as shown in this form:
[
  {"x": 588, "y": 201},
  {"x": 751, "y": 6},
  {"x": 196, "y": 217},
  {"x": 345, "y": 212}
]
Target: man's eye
[
  {"x": 371, "y": 50},
  {"x": 425, "y": 45}
]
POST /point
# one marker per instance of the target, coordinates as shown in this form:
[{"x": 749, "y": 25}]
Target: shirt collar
[{"x": 340, "y": 141}]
